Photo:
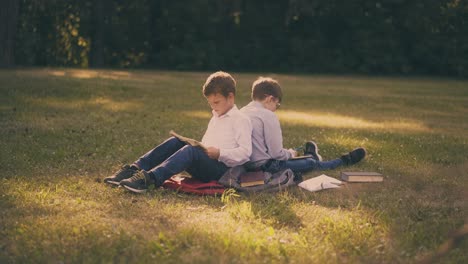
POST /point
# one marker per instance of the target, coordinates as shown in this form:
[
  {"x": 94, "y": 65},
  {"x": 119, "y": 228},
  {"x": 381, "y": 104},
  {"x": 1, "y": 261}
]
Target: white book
[{"x": 319, "y": 183}]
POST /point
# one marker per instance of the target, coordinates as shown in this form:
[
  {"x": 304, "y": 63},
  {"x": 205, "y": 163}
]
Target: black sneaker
[
  {"x": 124, "y": 173},
  {"x": 138, "y": 183},
  {"x": 354, "y": 156},
  {"x": 312, "y": 149}
]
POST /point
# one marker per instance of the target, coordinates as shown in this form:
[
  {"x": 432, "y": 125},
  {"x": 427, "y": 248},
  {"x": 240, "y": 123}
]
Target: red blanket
[{"x": 190, "y": 185}]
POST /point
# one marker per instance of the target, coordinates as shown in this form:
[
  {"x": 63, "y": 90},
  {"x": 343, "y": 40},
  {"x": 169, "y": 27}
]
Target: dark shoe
[
  {"x": 138, "y": 183},
  {"x": 312, "y": 149},
  {"x": 298, "y": 177},
  {"x": 354, "y": 156},
  {"x": 124, "y": 173}
]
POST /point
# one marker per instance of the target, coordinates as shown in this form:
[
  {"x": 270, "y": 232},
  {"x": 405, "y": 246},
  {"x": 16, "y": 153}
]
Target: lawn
[{"x": 64, "y": 130}]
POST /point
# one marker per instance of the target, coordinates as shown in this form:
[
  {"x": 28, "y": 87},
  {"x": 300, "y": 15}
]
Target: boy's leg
[
  {"x": 189, "y": 158},
  {"x": 192, "y": 159},
  {"x": 309, "y": 164},
  {"x": 148, "y": 161},
  {"x": 159, "y": 154},
  {"x": 207, "y": 169}
]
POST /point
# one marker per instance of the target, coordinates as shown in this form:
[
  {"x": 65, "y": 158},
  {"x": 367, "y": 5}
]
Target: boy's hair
[
  {"x": 219, "y": 82},
  {"x": 265, "y": 86}
]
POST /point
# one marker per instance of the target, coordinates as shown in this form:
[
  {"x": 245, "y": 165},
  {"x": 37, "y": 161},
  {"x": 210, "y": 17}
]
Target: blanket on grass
[{"x": 194, "y": 186}]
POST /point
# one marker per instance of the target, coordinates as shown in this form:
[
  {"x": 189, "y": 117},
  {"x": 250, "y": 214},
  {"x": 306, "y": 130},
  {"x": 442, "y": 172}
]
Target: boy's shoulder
[
  {"x": 243, "y": 117},
  {"x": 240, "y": 115},
  {"x": 255, "y": 109}
]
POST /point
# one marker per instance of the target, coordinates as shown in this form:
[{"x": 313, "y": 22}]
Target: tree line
[{"x": 428, "y": 37}]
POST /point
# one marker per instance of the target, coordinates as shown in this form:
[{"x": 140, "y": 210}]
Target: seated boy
[
  {"x": 268, "y": 153},
  {"x": 227, "y": 138}
]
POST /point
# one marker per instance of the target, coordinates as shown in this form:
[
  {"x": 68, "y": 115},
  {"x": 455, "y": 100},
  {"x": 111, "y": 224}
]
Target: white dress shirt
[
  {"x": 267, "y": 138},
  {"x": 231, "y": 133}
]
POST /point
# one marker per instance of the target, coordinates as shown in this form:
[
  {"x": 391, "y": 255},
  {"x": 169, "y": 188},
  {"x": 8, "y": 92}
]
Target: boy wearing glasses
[
  {"x": 227, "y": 140},
  {"x": 268, "y": 153}
]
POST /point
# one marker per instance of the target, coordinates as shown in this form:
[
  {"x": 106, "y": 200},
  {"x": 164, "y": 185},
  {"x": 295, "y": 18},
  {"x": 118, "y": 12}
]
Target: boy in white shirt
[
  {"x": 227, "y": 138},
  {"x": 268, "y": 153}
]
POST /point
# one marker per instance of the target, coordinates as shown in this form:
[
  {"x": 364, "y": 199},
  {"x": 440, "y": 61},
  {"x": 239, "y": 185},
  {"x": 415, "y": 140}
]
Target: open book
[
  {"x": 187, "y": 140},
  {"x": 302, "y": 157},
  {"x": 320, "y": 183}
]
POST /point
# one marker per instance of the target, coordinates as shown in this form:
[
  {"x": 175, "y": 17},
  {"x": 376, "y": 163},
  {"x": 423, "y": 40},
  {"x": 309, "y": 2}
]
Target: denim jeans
[
  {"x": 174, "y": 156},
  {"x": 301, "y": 165}
]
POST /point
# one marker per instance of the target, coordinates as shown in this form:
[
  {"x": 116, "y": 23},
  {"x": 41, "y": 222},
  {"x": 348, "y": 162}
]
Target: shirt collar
[
  {"x": 231, "y": 112},
  {"x": 256, "y": 104}
]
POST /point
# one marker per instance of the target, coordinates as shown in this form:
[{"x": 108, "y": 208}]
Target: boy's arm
[
  {"x": 241, "y": 154},
  {"x": 274, "y": 139}
]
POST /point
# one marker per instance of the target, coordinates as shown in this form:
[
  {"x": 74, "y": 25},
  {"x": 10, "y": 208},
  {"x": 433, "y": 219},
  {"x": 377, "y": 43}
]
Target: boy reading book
[
  {"x": 268, "y": 153},
  {"x": 227, "y": 142}
]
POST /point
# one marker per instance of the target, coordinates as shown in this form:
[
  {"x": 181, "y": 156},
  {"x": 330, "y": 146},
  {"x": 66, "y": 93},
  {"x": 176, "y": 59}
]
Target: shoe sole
[
  {"x": 112, "y": 183},
  {"x": 133, "y": 189},
  {"x": 319, "y": 158}
]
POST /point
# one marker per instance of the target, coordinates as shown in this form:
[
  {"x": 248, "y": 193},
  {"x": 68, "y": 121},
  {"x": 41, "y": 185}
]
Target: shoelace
[
  {"x": 123, "y": 168},
  {"x": 138, "y": 176}
]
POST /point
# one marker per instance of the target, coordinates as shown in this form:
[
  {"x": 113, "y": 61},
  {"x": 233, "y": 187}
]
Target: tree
[
  {"x": 8, "y": 23},
  {"x": 97, "y": 42}
]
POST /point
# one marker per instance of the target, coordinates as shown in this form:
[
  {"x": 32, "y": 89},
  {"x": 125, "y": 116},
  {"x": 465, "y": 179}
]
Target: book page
[
  {"x": 320, "y": 183},
  {"x": 187, "y": 140}
]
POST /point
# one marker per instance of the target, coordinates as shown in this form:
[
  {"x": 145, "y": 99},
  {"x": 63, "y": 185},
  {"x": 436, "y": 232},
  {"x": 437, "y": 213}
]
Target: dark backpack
[{"x": 277, "y": 181}]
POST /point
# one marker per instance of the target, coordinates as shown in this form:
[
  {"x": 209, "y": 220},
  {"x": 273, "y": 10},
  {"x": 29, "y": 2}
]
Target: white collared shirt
[
  {"x": 231, "y": 133},
  {"x": 267, "y": 138}
]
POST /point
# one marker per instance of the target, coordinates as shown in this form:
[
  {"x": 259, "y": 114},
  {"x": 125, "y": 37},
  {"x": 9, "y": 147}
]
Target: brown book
[
  {"x": 252, "y": 178},
  {"x": 187, "y": 140},
  {"x": 361, "y": 176}
]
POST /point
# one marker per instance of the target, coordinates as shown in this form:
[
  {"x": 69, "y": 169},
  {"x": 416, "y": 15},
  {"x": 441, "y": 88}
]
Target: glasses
[{"x": 278, "y": 104}]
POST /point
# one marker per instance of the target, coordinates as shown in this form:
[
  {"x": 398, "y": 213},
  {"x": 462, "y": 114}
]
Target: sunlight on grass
[
  {"x": 274, "y": 227},
  {"x": 88, "y": 74},
  {"x": 317, "y": 119},
  {"x": 198, "y": 114},
  {"x": 66, "y": 129},
  {"x": 103, "y": 102}
]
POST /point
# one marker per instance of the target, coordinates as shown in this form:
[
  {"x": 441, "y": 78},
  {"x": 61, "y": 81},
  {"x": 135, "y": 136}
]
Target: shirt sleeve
[
  {"x": 274, "y": 139},
  {"x": 240, "y": 154}
]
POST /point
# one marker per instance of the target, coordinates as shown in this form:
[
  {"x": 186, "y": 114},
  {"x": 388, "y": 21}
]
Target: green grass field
[{"x": 64, "y": 130}]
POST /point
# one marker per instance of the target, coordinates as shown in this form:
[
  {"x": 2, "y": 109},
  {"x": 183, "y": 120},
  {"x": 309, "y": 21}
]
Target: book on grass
[
  {"x": 319, "y": 183},
  {"x": 187, "y": 140},
  {"x": 361, "y": 176},
  {"x": 252, "y": 178}
]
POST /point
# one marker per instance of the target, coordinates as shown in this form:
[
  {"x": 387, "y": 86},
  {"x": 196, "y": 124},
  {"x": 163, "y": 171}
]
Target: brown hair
[
  {"x": 264, "y": 86},
  {"x": 219, "y": 82}
]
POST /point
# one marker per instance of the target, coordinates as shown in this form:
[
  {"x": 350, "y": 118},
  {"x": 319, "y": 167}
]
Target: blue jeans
[
  {"x": 301, "y": 165},
  {"x": 174, "y": 156}
]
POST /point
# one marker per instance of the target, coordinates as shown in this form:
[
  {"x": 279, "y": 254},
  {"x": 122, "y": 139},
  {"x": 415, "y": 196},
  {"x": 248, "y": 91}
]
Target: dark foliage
[{"x": 428, "y": 37}]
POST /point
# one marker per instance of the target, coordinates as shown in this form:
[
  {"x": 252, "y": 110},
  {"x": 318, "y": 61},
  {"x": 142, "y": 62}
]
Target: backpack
[{"x": 277, "y": 181}]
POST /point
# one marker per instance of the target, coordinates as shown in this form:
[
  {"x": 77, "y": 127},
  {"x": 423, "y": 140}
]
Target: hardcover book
[
  {"x": 252, "y": 178},
  {"x": 361, "y": 176}
]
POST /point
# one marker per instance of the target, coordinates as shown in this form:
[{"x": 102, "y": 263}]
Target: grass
[{"x": 64, "y": 130}]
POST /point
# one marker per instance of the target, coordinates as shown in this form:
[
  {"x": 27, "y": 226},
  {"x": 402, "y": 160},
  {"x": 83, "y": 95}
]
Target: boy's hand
[
  {"x": 293, "y": 153},
  {"x": 212, "y": 152}
]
